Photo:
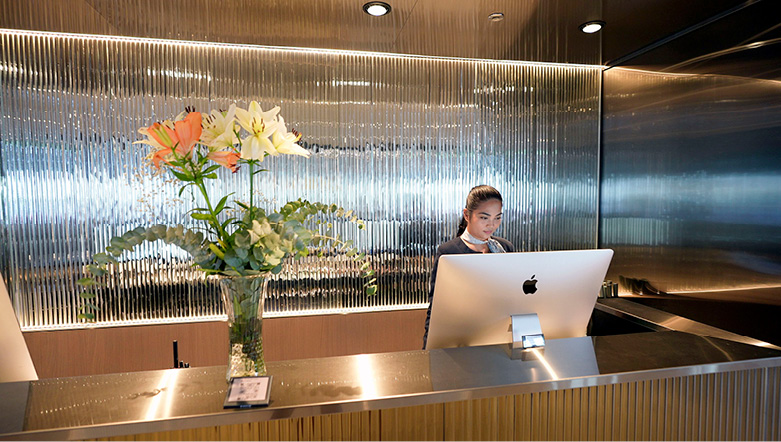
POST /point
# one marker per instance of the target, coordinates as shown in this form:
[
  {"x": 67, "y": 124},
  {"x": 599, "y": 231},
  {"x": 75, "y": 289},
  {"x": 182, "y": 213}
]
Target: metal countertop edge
[{"x": 235, "y": 416}]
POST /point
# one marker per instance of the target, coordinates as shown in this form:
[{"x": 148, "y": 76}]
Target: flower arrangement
[{"x": 192, "y": 148}]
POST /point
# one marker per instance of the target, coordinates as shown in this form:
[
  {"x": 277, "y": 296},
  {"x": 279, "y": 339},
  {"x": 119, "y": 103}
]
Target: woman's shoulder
[{"x": 454, "y": 246}]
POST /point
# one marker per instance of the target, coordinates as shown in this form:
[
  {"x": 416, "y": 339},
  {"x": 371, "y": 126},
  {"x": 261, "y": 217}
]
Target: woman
[{"x": 481, "y": 218}]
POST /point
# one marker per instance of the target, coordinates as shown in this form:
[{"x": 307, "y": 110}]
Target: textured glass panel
[{"x": 399, "y": 139}]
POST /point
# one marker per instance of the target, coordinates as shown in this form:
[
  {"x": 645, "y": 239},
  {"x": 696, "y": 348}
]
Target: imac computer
[{"x": 475, "y": 295}]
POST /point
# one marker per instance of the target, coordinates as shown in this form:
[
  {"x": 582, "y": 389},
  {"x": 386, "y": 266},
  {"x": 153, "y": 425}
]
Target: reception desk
[{"x": 656, "y": 385}]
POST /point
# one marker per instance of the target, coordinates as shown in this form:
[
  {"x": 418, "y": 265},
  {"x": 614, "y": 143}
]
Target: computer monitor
[{"x": 476, "y": 294}]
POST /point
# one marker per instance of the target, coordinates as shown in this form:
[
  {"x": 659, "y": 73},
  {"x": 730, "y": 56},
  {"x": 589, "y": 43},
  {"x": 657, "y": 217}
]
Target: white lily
[
  {"x": 285, "y": 142},
  {"x": 260, "y": 125},
  {"x": 219, "y": 129}
]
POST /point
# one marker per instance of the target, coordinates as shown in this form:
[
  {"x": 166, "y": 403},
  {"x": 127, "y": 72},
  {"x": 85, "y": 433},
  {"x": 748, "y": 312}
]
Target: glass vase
[{"x": 243, "y": 298}]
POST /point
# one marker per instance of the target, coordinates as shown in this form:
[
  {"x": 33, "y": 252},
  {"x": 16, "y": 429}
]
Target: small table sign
[{"x": 248, "y": 391}]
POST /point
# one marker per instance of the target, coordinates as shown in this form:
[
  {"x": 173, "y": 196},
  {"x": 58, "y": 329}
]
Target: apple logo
[{"x": 530, "y": 286}]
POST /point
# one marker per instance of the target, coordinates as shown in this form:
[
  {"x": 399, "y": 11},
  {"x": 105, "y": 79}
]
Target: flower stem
[
  {"x": 251, "y": 188},
  {"x": 215, "y": 222}
]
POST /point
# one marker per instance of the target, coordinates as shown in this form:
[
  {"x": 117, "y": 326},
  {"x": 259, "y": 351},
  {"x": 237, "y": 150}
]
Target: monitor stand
[{"x": 527, "y": 333}]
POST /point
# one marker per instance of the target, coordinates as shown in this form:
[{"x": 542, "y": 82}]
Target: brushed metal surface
[
  {"x": 691, "y": 183},
  {"x": 532, "y": 30},
  {"x": 100, "y": 406},
  {"x": 398, "y": 139},
  {"x": 659, "y": 320}
]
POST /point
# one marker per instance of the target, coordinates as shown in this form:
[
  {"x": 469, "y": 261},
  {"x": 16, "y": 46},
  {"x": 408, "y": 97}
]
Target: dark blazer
[{"x": 455, "y": 246}]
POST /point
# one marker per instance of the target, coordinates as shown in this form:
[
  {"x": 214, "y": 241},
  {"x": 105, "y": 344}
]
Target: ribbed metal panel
[{"x": 398, "y": 139}]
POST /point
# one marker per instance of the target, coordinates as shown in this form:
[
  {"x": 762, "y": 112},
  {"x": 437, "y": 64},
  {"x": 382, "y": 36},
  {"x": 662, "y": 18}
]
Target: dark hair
[{"x": 477, "y": 196}]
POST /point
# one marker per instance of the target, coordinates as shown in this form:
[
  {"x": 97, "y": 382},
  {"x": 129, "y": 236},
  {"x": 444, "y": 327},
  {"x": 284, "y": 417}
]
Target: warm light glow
[
  {"x": 377, "y": 9},
  {"x": 163, "y": 390},
  {"x": 545, "y": 364},
  {"x": 366, "y": 376},
  {"x": 592, "y": 26},
  {"x": 204, "y": 44}
]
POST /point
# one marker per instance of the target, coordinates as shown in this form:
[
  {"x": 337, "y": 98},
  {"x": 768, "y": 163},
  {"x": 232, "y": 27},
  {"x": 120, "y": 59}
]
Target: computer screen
[{"x": 476, "y": 294}]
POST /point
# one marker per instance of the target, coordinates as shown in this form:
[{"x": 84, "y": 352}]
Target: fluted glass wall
[{"x": 399, "y": 139}]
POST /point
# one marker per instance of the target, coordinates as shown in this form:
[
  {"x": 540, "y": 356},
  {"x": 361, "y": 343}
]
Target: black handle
[{"x": 176, "y": 354}]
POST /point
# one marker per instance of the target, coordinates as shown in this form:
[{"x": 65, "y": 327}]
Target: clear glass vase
[{"x": 243, "y": 298}]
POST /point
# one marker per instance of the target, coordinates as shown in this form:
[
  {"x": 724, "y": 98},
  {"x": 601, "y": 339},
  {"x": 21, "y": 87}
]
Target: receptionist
[{"x": 481, "y": 217}]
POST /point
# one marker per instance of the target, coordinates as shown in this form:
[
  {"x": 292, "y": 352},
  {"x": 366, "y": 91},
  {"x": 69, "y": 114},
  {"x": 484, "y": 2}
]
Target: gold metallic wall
[{"x": 400, "y": 139}]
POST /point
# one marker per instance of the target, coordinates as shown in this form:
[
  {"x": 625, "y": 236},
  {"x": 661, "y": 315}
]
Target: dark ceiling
[
  {"x": 736, "y": 37},
  {"x": 740, "y": 38}
]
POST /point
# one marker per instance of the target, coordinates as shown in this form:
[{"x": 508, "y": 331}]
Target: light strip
[
  {"x": 162, "y": 41},
  {"x": 222, "y": 318}
]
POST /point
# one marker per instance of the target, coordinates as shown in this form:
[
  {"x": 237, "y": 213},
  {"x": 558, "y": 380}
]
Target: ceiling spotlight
[
  {"x": 496, "y": 16},
  {"x": 592, "y": 26},
  {"x": 377, "y": 9}
]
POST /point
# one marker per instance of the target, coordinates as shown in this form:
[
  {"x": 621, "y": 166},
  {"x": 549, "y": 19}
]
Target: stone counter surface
[{"x": 164, "y": 400}]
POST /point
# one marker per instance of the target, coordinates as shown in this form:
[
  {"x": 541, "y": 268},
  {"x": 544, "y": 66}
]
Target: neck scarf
[{"x": 494, "y": 246}]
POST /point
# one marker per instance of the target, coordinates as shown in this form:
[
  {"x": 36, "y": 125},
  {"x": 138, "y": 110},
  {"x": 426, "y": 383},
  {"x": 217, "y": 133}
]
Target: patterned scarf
[{"x": 493, "y": 245}]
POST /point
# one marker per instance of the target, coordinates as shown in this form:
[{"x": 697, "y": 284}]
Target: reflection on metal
[
  {"x": 648, "y": 386},
  {"x": 691, "y": 183},
  {"x": 532, "y": 30},
  {"x": 398, "y": 139},
  {"x": 658, "y": 320}
]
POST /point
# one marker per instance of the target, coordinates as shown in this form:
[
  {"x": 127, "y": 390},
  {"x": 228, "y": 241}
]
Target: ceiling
[{"x": 689, "y": 35}]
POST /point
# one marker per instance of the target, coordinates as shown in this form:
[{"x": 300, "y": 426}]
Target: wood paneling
[{"x": 124, "y": 349}]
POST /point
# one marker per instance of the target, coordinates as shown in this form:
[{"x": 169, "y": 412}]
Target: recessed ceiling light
[
  {"x": 376, "y": 9},
  {"x": 592, "y": 26},
  {"x": 496, "y": 16}
]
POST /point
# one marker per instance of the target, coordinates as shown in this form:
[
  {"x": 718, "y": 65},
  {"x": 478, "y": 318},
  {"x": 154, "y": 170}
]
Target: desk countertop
[{"x": 162, "y": 400}]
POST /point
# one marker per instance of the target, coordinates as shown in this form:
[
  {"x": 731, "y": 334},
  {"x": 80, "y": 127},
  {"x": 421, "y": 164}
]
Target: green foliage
[
  {"x": 258, "y": 243},
  {"x": 250, "y": 243}
]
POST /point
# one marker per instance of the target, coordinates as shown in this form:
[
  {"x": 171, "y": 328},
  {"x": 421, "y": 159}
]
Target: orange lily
[
  {"x": 183, "y": 136},
  {"x": 225, "y": 158},
  {"x": 188, "y": 132}
]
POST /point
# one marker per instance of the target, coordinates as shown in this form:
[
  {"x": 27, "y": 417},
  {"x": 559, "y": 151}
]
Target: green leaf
[
  {"x": 119, "y": 243},
  {"x": 212, "y": 168},
  {"x": 221, "y": 204},
  {"x": 181, "y": 176},
  {"x": 86, "y": 282},
  {"x": 96, "y": 270},
  {"x": 89, "y": 305},
  {"x": 87, "y": 295},
  {"x": 102, "y": 258},
  {"x": 201, "y": 216},
  {"x": 371, "y": 290},
  {"x": 158, "y": 230},
  {"x": 211, "y": 176}
]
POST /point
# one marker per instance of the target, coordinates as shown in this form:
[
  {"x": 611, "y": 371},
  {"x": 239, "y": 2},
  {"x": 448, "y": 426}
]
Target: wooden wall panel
[{"x": 124, "y": 349}]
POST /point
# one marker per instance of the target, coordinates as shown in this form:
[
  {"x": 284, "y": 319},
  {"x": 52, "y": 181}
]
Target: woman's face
[{"x": 484, "y": 220}]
